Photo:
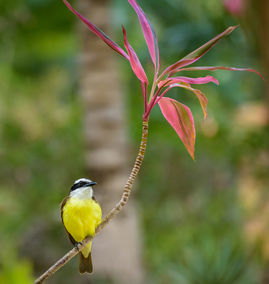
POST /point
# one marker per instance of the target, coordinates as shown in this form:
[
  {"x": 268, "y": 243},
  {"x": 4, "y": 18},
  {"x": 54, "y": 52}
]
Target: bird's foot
[{"x": 77, "y": 245}]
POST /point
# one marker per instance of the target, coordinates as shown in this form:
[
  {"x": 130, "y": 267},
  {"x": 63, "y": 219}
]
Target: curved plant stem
[{"x": 116, "y": 210}]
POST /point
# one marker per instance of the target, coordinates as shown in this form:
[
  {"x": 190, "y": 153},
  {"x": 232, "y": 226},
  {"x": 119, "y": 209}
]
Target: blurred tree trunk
[
  {"x": 117, "y": 250},
  {"x": 264, "y": 40},
  {"x": 257, "y": 21},
  {"x": 264, "y": 44}
]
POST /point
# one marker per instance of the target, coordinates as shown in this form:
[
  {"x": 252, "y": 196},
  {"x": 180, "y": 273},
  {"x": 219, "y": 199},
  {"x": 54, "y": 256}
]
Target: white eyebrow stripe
[{"x": 82, "y": 179}]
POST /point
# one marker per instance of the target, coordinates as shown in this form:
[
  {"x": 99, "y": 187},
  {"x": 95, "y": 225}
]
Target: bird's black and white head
[{"x": 82, "y": 188}]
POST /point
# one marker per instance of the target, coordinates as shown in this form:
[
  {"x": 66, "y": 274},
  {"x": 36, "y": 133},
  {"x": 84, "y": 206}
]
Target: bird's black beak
[{"x": 92, "y": 183}]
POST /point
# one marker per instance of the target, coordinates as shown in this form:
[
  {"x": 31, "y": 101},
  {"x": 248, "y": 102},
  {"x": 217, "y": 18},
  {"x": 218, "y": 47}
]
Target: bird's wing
[
  {"x": 61, "y": 208},
  {"x": 93, "y": 198},
  {"x": 98, "y": 207}
]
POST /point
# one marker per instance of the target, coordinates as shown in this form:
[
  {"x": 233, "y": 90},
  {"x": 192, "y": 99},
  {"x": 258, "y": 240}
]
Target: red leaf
[
  {"x": 134, "y": 61},
  {"x": 213, "y": 68},
  {"x": 180, "y": 118},
  {"x": 187, "y": 80},
  {"x": 199, "y": 94},
  {"x": 201, "y": 97},
  {"x": 198, "y": 53},
  {"x": 98, "y": 32},
  {"x": 148, "y": 32}
]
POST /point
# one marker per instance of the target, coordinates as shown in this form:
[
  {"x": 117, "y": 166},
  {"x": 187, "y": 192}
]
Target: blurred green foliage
[
  {"x": 15, "y": 270},
  {"x": 40, "y": 131},
  {"x": 193, "y": 219}
]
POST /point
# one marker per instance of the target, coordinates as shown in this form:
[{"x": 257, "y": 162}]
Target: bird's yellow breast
[{"x": 81, "y": 217}]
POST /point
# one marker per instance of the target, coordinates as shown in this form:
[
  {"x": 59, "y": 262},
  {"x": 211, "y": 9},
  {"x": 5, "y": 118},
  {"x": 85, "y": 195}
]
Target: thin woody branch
[{"x": 116, "y": 210}]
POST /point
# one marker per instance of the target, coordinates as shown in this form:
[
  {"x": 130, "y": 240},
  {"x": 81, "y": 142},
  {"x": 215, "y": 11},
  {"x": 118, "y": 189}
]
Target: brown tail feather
[{"x": 85, "y": 264}]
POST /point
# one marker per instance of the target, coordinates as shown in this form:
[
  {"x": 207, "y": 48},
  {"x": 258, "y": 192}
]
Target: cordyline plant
[{"x": 178, "y": 115}]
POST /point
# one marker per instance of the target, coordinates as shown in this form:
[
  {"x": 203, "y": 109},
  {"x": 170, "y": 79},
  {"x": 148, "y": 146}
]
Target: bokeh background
[{"x": 203, "y": 221}]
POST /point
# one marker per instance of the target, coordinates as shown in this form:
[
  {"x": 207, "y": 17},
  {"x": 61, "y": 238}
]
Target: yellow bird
[{"x": 81, "y": 215}]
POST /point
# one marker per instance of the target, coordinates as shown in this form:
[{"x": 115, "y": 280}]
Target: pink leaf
[
  {"x": 213, "y": 68},
  {"x": 180, "y": 118},
  {"x": 148, "y": 32},
  {"x": 201, "y": 97},
  {"x": 198, "y": 53},
  {"x": 187, "y": 80},
  {"x": 98, "y": 32},
  {"x": 199, "y": 94},
  {"x": 134, "y": 61}
]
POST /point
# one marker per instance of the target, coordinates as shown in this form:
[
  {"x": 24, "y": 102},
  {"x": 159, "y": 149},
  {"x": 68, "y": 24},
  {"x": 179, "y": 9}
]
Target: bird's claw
[{"x": 77, "y": 245}]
